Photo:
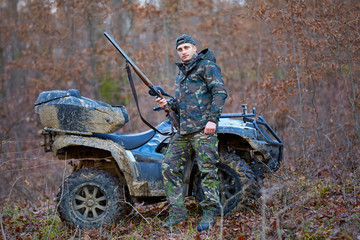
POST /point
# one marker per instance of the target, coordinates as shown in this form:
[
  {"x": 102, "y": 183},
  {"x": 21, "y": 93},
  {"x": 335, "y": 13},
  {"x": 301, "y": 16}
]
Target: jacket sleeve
[{"x": 216, "y": 87}]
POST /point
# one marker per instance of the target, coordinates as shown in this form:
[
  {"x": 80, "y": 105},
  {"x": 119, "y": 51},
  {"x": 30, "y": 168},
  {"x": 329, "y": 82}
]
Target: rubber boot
[
  {"x": 207, "y": 221},
  {"x": 174, "y": 219}
]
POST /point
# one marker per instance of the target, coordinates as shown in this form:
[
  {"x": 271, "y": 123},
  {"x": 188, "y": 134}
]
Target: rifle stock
[{"x": 145, "y": 80}]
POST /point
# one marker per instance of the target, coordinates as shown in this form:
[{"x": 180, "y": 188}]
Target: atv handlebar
[{"x": 240, "y": 115}]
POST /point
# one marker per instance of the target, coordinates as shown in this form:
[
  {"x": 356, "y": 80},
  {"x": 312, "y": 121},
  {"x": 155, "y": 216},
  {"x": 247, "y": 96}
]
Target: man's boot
[
  {"x": 174, "y": 219},
  {"x": 207, "y": 220}
]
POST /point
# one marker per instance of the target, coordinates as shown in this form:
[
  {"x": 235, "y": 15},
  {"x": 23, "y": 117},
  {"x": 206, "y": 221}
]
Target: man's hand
[
  {"x": 162, "y": 102},
  {"x": 210, "y": 128}
]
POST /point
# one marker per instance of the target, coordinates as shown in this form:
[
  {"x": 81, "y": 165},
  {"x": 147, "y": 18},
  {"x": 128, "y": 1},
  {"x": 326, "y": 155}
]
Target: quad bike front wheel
[
  {"x": 91, "y": 198},
  {"x": 238, "y": 184}
]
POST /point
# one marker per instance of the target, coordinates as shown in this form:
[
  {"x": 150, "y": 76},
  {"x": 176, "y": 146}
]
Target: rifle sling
[{"x": 128, "y": 70}]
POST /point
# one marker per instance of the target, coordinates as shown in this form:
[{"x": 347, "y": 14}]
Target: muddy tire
[
  {"x": 238, "y": 185},
  {"x": 91, "y": 198}
]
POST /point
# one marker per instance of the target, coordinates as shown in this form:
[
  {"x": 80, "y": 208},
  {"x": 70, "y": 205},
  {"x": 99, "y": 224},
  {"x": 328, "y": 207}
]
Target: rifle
[{"x": 153, "y": 89}]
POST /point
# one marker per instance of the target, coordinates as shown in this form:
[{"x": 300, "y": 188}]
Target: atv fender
[
  {"x": 124, "y": 159},
  {"x": 249, "y": 134}
]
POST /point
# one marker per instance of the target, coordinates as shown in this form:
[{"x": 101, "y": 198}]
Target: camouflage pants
[{"x": 176, "y": 157}]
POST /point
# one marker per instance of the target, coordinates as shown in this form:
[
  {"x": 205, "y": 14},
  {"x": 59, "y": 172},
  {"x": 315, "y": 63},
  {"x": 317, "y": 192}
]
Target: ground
[{"x": 298, "y": 208}]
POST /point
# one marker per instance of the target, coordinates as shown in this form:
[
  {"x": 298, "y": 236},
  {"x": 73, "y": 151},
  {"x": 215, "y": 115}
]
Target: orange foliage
[{"x": 297, "y": 62}]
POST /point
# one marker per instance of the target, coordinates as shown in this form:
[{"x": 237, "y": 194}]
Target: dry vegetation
[
  {"x": 297, "y": 208},
  {"x": 297, "y": 62}
]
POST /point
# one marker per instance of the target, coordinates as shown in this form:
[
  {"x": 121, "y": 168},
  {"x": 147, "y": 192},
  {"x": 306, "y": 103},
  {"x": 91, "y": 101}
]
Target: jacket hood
[{"x": 207, "y": 54}]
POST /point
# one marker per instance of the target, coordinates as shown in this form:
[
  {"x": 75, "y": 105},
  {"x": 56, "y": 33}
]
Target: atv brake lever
[
  {"x": 157, "y": 109},
  {"x": 160, "y": 90}
]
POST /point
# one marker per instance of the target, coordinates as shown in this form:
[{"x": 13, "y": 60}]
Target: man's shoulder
[
  {"x": 207, "y": 65},
  {"x": 207, "y": 62}
]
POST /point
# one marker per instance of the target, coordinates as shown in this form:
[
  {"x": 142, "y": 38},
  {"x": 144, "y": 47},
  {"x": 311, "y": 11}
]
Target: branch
[{"x": 2, "y": 227}]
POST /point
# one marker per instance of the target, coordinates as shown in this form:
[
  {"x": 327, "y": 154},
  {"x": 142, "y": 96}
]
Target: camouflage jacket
[{"x": 200, "y": 92}]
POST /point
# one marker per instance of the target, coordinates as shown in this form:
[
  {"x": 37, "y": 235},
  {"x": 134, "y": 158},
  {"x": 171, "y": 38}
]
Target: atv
[{"x": 111, "y": 171}]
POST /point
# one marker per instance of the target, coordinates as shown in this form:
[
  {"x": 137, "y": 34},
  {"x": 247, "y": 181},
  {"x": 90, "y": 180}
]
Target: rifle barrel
[
  {"x": 119, "y": 49},
  {"x": 141, "y": 75}
]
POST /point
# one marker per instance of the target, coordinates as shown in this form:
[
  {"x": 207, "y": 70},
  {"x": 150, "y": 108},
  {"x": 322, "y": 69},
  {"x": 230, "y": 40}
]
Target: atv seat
[{"x": 128, "y": 141}]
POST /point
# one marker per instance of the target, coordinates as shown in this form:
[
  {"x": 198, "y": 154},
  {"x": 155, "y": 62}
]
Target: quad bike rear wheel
[{"x": 91, "y": 198}]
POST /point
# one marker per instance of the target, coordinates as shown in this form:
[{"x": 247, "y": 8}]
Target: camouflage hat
[{"x": 184, "y": 39}]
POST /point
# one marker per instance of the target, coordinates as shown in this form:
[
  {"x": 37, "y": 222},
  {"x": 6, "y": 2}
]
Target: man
[{"x": 200, "y": 95}]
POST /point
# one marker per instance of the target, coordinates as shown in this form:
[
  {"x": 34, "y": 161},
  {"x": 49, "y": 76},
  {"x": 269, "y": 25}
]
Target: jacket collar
[
  {"x": 205, "y": 54},
  {"x": 188, "y": 66}
]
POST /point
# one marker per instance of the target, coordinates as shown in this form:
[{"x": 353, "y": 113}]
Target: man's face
[{"x": 186, "y": 51}]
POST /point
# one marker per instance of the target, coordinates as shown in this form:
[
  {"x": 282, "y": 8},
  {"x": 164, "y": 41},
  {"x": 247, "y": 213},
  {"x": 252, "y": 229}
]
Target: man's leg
[
  {"x": 206, "y": 148},
  {"x": 173, "y": 164}
]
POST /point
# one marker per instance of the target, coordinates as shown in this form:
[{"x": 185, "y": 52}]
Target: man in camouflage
[{"x": 200, "y": 96}]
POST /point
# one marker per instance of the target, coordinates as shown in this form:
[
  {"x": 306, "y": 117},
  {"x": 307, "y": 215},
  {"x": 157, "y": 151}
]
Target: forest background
[{"x": 297, "y": 62}]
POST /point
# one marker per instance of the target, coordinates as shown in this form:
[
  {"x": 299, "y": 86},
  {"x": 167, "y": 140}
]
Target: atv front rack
[
  {"x": 268, "y": 133},
  {"x": 258, "y": 123}
]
